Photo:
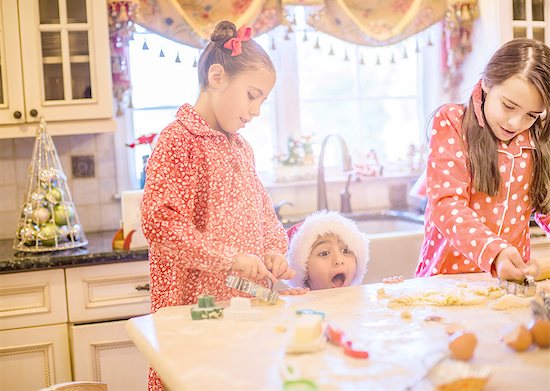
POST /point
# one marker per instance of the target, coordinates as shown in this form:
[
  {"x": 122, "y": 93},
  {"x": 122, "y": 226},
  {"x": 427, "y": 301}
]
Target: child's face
[
  {"x": 330, "y": 264},
  {"x": 511, "y": 107},
  {"x": 240, "y": 97}
]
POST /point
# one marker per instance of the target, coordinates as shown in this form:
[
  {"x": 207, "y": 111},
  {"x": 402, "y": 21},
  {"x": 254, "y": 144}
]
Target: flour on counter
[{"x": 459, "y": 295}]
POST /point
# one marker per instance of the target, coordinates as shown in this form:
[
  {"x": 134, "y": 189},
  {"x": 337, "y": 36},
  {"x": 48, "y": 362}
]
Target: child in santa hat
[{"x": 326, "y": 250}]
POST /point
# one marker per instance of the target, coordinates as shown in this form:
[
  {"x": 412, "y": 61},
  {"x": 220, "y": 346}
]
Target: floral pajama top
[
  {"x": 466, "y": 229},
  {"x": 203, "y": 204}
]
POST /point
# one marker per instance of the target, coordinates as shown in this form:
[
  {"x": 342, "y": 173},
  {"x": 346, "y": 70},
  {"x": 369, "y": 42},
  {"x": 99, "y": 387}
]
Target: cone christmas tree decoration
[{"x": 48, "y": 220}]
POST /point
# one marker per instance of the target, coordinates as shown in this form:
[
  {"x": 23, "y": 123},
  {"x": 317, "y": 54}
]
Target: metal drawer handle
[{"x": 144, "y": 287}]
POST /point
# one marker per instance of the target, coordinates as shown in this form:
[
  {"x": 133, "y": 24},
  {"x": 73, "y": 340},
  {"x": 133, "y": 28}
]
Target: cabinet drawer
[
  {"x": 32, "y": 299},
  {"x": 115, "y": 291}
]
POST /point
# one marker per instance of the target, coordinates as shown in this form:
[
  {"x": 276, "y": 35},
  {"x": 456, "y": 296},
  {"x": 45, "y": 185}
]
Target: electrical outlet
[{"x": 83, "y": 166}]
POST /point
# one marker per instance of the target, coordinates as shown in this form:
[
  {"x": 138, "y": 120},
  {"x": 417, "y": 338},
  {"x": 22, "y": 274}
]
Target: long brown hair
[
  {"x": 253, "y": 56},
  {"x": 529, "y": 59}
]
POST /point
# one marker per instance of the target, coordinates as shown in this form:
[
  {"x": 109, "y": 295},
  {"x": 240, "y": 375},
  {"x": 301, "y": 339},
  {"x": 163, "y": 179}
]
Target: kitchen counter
[
  {"x": 239, "y": 355},
  {"x": 98, "y": 251}
]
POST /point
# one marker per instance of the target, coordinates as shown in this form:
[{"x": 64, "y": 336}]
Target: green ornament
[
  {"x": 47, "y": 234},
  {"x": 62, "y": 214},
  {"x": 54, "y": 195}
]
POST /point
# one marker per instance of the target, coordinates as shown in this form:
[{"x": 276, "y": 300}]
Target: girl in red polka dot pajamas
[
  {"x": 205, "y": 212},
  {"x": 488, "y": 169}
]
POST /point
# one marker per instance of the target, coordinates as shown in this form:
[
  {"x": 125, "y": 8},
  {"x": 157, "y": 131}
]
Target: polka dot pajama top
[
  {"x": 466, "y": 229},
  {"x": 203, "y": 204}
]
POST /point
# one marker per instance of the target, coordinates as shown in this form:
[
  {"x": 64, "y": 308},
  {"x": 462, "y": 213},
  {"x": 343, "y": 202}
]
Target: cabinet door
[
  {"x": 33, "y": 358},
  {"x": 12, "y": 105},
  {"x": 526, "y": 19},
  {"x": 104, "y": 352},
  {"x": 66, "y": 63}
]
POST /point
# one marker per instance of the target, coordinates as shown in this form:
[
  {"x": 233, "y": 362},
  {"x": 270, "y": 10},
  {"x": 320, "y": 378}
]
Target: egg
[
  {"x": 540, "y": 331},
  {"x": 463, "y": 345},
  {"x": 519, "y": 339}
]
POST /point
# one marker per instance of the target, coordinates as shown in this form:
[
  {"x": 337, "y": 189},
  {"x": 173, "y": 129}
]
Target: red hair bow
[{"x": 235, "y": 44}]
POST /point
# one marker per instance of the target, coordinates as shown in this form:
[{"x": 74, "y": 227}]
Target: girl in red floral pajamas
[
  {"x": 205, "y": 212},
  {"x": 489, "y": 168}
]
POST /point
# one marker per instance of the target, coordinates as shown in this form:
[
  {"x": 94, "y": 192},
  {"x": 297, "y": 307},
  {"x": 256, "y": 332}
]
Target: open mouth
[
  {"x": 507, "y": 132},
  {"x": 338, "y": 280}
]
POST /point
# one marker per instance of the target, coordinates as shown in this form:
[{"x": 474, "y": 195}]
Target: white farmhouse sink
[{"x": 394, "y": 247}]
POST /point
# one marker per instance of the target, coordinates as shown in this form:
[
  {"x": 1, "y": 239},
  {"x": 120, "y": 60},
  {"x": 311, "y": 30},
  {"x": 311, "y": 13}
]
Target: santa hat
[{"x": 302, "y": 236}]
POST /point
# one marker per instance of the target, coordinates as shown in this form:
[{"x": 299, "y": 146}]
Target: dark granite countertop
[{"x": 98, "y": 251}]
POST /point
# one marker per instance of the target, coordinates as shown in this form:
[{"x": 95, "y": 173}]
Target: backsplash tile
[
  {"x": 7, "y": 171},
  {"x": 9, "y": 198},
  {"x": 93, "y": 197},
  {"x": 6, "y": 148},
  {"x": 85, "y": 191}
]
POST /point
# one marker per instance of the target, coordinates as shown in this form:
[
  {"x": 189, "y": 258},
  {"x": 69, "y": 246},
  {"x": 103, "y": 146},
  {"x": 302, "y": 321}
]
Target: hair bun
[{"x": 223, "y": 32}]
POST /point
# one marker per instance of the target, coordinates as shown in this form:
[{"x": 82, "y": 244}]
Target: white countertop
[{"x": 221, "y": 354}]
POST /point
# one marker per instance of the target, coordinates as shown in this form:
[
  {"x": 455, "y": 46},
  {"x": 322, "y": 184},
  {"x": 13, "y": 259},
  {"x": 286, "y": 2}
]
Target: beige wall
[{"x": 96, "y": 206}]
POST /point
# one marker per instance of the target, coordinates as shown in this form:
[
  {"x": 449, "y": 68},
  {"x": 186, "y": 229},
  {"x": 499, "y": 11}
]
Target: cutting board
[{"x": 131, "y": 218}]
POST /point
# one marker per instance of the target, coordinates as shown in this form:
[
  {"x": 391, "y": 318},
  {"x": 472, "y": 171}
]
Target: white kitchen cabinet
[
  {"x": 54, "y": 63},
  {"x": 41, "y": 311},
  {"x": 525, "y": 19},
  {"x": 105, "y": 292},
  {"x": 33, "y": 357},
  {"x": 104, "y": 352}
]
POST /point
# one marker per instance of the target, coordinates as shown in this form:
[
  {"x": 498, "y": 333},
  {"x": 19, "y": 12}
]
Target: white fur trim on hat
[{"x": 319, "y": 224}]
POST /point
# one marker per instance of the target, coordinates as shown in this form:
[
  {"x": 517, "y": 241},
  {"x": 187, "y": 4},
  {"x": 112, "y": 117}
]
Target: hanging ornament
[
  {"x": 195, "y": 62},
  {"x": 392, "y": 59},
  {"x": 346, "y": 57},
  {"x": 417, "y": 48},
  {"x": 430, "y": 43},
  {"x": 287, "y": 36},
  {"x": 378, "y": 62},
  {"x": 362, "y": 60},
  {"x": 331, "y": 51},
  {"x": 304, "y": 39},
  {"x": 317, "y": 44},
  {"x": 145, "y": 47},
  {"x": 161, "y": 54},
  {"x": 178, "y": 58},
  {"x": 405, "y": 54},
  {"x": 289, "y": 30},
  {"x": 48, "y": 215}
]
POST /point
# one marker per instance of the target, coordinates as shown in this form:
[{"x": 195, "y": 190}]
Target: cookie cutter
[
  {"x": 253, "y": 289},
  {"x": 527, "y": 288}
]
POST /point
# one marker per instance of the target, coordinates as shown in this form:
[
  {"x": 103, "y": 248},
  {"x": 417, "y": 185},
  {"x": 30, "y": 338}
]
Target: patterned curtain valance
[
  {"x": 377, "y": 22},
  {"x": 192, "y": 22},
  {"x": 362, "y": 22}
]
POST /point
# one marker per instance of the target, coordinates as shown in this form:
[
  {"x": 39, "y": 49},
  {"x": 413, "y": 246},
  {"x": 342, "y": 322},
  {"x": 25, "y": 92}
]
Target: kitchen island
[{"x": 403, "y": 341}]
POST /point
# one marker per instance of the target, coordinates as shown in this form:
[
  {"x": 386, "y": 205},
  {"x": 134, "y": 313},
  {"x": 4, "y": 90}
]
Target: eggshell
[
  {"x": 519, "y": 339},
  {"x": 463, "y": 345},
  {"x": 540, "y": 330}
]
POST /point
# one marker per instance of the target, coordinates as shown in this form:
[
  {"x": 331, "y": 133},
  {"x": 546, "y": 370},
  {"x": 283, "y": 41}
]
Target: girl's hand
[
  {"x": 510, "y": 266},
  {"x": 251, "y": 267},
  {"x": 276, "y": 263},
  {"x": 293, "y": 291}
]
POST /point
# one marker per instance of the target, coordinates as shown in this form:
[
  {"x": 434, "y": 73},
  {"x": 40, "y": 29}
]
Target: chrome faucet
[{"x": 321, "y": 184}]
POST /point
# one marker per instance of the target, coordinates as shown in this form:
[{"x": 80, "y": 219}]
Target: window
[{"x": 372, "y": 96}]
